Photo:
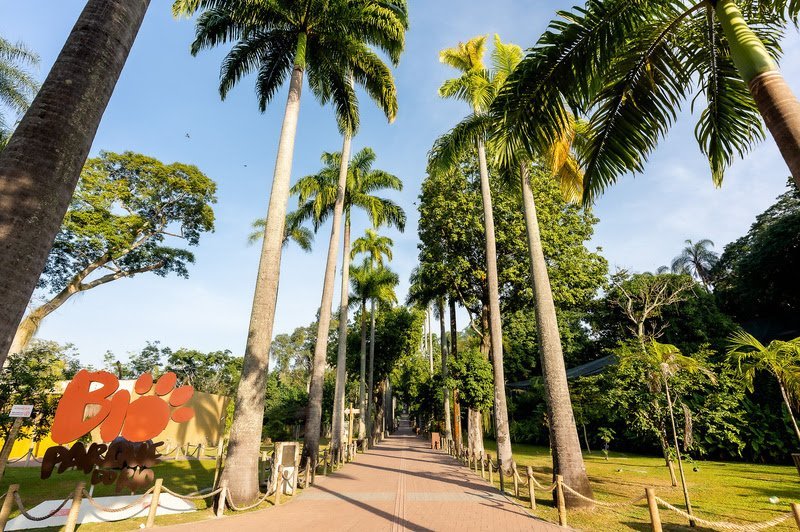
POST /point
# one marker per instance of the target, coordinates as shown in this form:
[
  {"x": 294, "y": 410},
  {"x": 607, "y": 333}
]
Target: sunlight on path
[{"x": 399, "y": 485}]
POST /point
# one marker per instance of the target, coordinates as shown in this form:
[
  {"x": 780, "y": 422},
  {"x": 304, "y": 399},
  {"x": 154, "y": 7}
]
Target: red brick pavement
[{"x": 398, "y": 485}]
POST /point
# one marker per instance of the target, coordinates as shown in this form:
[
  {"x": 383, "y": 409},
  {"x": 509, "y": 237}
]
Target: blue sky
[{"x": 164, "y": 93}]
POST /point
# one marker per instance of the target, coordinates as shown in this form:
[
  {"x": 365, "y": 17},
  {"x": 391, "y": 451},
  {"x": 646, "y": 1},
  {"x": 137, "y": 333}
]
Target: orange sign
[
  {"x": 127, "y": 461},
  {"x": 139, "y": 420}
]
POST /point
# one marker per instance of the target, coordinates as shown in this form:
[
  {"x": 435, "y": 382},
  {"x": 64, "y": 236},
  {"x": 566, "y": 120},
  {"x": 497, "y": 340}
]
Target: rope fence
[
  {"x": 482, "y": 463},
  {"x": 301, "y": 477}
]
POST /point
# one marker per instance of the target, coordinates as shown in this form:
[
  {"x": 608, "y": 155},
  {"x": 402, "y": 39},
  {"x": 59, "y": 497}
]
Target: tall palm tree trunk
[
  {"x": 370, "y": 384},
  {"x": 474, "y": 417},
  {"x": 40, "y": 166},
  {"x": 448, "y": 430},
  {"x": 362, "y": 404},
  {"x": 241, "y": 464},
  {"x": 314, "y": 412},
  {"x": 502, "y": 433},
  {"x": 566, "y": 445},
  {"x": 789, "y": 408},
  {"x": 454, "y": 354},
  {"x": 775, "y": 100},
  {"x": 341, "y": 356},
  {"x": 678, "y": 452}
]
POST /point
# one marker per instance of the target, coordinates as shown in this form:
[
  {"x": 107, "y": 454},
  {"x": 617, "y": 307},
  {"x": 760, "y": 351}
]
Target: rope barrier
[
  {"x": 259, "y": 502},
  {"x": 24, "y": 511},
  {"x": 725, "y": 525},
  {"x": 102, "y": 508},
  {"x": 192, "y": 497},
  {"x": 630, "y": 502}
]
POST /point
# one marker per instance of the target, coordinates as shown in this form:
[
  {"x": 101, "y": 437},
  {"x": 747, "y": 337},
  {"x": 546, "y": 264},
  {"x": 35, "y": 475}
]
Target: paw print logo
[
  {"x": 149, "y": 415},
  {"x": 141, "y": 420}
]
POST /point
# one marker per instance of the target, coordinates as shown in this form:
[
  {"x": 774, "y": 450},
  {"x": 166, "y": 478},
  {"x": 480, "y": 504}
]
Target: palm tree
[
  {"x": 378, "y": 284},
  {"x": 634, "y": 65},
  {"x": 477, "y": 87},
  {"x": 40, "y": 166},
  {"x": 17, "y": 86},
  {"x": 779, "y": 358},
  {"x": 276, "y": 40},
  {"x": 661, "y": 362},
  {"x": 697, "y": 260},
  {"x": 317, "y": 197},
  {"x": 293, "y": 231}
]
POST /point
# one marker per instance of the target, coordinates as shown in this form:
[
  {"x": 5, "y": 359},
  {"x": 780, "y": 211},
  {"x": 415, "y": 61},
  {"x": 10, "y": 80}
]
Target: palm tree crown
[
  {"x": 329, "y": 39},
  {"x": 374, "y": 246},
  {"x": 632, "y": 66},
  {"x": 17, "y": 86},
  {"x": 317, "y": 193},
  {"x": 697, "y": 260}
]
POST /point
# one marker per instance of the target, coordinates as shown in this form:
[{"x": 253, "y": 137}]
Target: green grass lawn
[
  {"x": 719, "y": 491},
  {"x": 181, "y": 476}
]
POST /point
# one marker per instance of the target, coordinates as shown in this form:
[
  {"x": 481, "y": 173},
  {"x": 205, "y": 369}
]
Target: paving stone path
[{"x": 398, "y": 485}]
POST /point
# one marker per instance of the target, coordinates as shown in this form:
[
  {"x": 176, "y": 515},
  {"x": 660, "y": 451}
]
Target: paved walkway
[{"x": 398, "y": 485}]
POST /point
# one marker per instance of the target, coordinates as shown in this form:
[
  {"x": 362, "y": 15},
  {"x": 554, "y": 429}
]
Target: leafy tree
[
  {"x": 472, "y": 374},
  {"x": 633, "y": 66},
  {"x": 756, "y": 280},
  {"x": 332, "y": 41},
  {"x": 697, "y": 260},
  {"x": 780, "y": 359},
  {"x": 317, "y": 195},
  {"x": 30, "y": 378},
  {"x": 214, "y": 372},
  {"x": 51, "y": 143},
  {"x": 125, "y": 208},
  {"x": 17, "y": 85}
]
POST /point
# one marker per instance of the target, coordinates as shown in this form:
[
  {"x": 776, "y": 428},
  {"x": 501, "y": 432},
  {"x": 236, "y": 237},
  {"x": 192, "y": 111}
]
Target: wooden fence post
[
  {"x": 531, "y": 489},
  {"x": 652, "y": 505},
  {"x": 8, "y": 505},
  {"x": 483, "y": 468},
  {"x": 796, "y": 512},
  {"x": 223, "y": 498},
  {"x": 151, "y": 513},
  {"x": 325, "y": 462},
  {"x": 491, "y": 470},
  {"x": 279, "y": 486},
  {"x": 562, "y": 508},
  {"x": 72, "y": 517}
]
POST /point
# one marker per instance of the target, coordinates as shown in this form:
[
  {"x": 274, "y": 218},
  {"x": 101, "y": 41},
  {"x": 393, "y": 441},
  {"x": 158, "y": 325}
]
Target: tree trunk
[
  {"x": 314, "y": 412},
  {"x": 567, "y": 457},
  {"x": 241, "y": 464},
  {"x": 454, "y": 353},
  {"x": 665, "y": 450},
  {"x": 40, "y": 166},
  {"x": 789, "y": 408},
  {"x": 430, "y": 339},
  {"x": 341, "y": 357},
  {"x": 446, "y": 392},
  {"x": 475, "y": 432},
  {"x": 380, "y": 411},
  {"x": 362, "y": 404},
  {"x": 500, "y": 409},
  {"x": 678, "y": 452},
  {"x": 9, "y": 444},
  {"x": 775, "y": 100},
  {"x": 370, "y": 386}
]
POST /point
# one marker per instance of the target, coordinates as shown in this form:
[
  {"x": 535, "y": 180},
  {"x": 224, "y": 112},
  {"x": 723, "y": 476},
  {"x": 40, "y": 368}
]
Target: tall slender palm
[
  {"x": 781, "y": 359},
  {"x": 380, "y": 288},
  {"x": 696, "y": 259},
  {"x": 661, "y": 362},
  {"x": 17, "y": 85},
  {"x": 633, "y": 65},
  {"x": 40, "y": 166},
  {"x": 558, "y": 159},
  {"x": 317, "y": 196},
  {"x": 278, "y": 40},
  {"x": 361, "y": 278},
  {"x": 477, "y": 87}
]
